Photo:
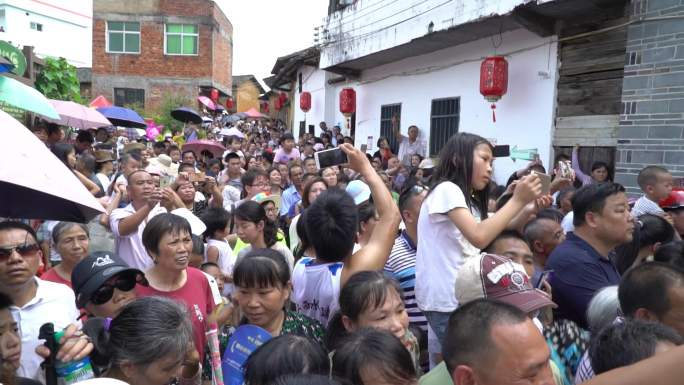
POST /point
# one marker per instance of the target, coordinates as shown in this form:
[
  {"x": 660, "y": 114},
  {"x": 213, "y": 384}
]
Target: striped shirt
[
  {"x": 401, "y": 265},
  {"x": 644, "y": 205}
]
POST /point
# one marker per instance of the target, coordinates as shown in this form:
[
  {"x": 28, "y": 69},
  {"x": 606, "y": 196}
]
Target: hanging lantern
[
  {"x": 264, "y": 106},
  {"x": 347, "y": 101},
  {"x": 229, "y": 103},
  {"x": 214, "y": 95},
  {"x": 278, "y": 104},
  {"x": 494, "y": 80},
  {"x": 282, "y": 98},
  {"x": 305, "y": 101}
]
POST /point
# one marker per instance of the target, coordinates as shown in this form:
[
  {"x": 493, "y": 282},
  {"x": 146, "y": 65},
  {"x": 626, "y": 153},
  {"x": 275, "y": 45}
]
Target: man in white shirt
[
  {"x": 36, "y": 302},
  {"x": 408, "y": 145},
  {"x": 128, "y": 223}
]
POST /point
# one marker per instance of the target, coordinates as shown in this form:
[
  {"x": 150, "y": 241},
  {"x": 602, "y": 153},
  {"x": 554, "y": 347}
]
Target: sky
[{"x": 263, "y": 30}]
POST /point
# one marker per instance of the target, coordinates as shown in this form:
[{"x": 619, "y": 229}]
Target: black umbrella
[{"x": 186, "y": 114}]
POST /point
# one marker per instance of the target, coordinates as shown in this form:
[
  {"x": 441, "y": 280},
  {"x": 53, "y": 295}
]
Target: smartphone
[
  {"x": 543, "y": 277},
  {"x": 546, "y": 182},
  {"x": 332, "y": 157},
  {"x": 197, "y": 177},
  {"x": 502, "y": 151},
  {"x": 565, "y": 169},
  {"x": 166, "y": 181},
  {"x": 364, "y": 148}
]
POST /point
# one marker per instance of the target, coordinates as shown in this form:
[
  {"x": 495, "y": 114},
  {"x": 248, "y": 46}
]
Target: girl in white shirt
[{"x": 453, "y": 222}]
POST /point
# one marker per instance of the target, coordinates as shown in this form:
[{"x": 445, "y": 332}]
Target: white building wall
[
  {"x": 313, "y": 81},
  {"x": 67, "y": 28},
  {"x": 370, "y": 26},
  {"x": 524, "y": 114}
]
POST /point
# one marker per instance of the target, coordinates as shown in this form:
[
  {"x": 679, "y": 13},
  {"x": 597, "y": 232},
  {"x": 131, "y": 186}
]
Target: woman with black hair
[
  {"x": 371, "y": 356},
  {"x": 283, "y": 355},
  {"x": 600, "y": 172},
  {"x": 67, "y": 154},
  {"x": 649, "y": 233},
  {"x": 254, "y": 228},
  {"x": 167, "y": 238}
]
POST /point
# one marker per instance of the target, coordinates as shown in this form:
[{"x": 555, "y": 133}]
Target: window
[
  {"x": 181, "y": 39},
  {"x": 444, "y": 117},
  {"x": 36, "y": 26},
  {"x": 128, "y": 96},
  {"x": 123, "y": 37},
  {"x": 386, "y": 113}
]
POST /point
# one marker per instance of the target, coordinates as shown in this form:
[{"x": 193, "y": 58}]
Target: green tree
[
  {"x": 163, "y": 116},
  {"x": 58, "y": 80}
]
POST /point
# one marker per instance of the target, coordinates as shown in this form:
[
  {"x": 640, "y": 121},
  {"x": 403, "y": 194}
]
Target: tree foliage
[{"x": 58, "y": 80}]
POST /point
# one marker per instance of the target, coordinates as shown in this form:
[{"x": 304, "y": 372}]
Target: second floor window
[
  {"x": 181, "y": 39},
  {"x": 123, "y": 37}
]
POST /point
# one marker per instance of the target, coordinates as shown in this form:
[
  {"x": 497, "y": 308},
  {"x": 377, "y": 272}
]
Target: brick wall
[
  {"x": 652, "y": 116},
  {"x": 167, "y": 73}
]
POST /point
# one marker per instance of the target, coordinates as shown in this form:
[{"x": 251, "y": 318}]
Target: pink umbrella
[
  {"x": 253, "y": 113},
  {"x": 34, "y": 184},
  {"x": 207, "y": 102},
  {"x": 99, "y": 102},
  {"x": 198, "y": 146},
  {"x": 78, "y": 116}
]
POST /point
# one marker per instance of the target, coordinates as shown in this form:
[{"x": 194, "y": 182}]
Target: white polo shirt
[
  {"x": 54, "y": 303},
  {"x": 130, "y": 247}
]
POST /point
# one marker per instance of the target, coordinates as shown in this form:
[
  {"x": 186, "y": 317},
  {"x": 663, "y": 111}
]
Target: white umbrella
[
  {"x": 233, "y": 131},
  {"x": 34, "y": 184}
]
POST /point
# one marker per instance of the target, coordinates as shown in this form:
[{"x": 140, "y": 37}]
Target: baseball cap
[
  {"x": 263, "y": 197},
  {"x": 359, "y": 191},
  {"x": 673, "y": 201},
  {"x": 93, "y": 271},
  {"x": 495, "y": 277}
]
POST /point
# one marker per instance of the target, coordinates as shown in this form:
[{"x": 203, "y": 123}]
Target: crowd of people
[{"x": 390, "y": 268}]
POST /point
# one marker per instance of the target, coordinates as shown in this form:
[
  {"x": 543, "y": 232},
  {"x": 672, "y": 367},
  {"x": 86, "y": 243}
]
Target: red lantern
[
  {"x": 494, "y": 80},
  {"x": 264, "y": 106},
  {"x": 305, "y": 101},
  {"x": 282, "y": 98},
  {"x": 347, "y": 101},
  {"x": 214, "y": 95},
  {"x": 278, "y": 104},
  {"x": 229, "y": 103}
]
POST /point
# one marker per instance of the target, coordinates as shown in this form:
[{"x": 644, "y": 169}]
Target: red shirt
[
  {"x": 52, "y": 276},
  {"x": 196, "y": 295}
]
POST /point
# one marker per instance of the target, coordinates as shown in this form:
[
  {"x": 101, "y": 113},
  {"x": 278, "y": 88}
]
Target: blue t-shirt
[{"x": 579, "y": 271}]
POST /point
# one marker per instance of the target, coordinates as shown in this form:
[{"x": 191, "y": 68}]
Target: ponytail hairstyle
[
  {"x": 364, "y": 291},
  {"x": 456, "y": 166},
  {"x": 147, "y": 330},
  {"x": 251, "y": 211},
  {"x": 649, "y": 230}
]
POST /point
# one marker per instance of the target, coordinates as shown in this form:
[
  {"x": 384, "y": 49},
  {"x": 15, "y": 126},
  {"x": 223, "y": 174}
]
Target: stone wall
[{"x": 652, "y": 117}]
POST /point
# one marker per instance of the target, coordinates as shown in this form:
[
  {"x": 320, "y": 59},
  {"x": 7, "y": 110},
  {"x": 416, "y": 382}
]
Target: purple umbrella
[
  {"x": 78, "y": 116},
  {"x": 124, "y": 117}
]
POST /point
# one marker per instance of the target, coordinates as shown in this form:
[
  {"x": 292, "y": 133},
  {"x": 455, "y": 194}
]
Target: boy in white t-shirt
[{"x": 331, "y": 226}]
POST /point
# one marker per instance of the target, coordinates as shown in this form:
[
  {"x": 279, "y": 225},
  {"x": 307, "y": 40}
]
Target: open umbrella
[
  {"x": 34, "y": 184},
  {"x": 124, "y": 117},
  {"x": 233, "y": 131},
  {"x": 230, "y": 119},
  {"x": 78, "y": 116},
  {"x": 19, "y": 95},
  {"x": 253, "y": 113},
  {"x": 186, "y": 114},
  {"x": 207, "y": 102},
  {"x": 198, "y": 146},
  {"x": 5, "y": 65},
  {"x": 100, "y": 101}
]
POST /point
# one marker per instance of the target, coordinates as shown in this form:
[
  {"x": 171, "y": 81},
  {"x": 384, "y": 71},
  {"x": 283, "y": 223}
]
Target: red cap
[{"x": 673, "y": 201}]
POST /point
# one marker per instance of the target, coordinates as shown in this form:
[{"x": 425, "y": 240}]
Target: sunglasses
[
  {"x": 24, "y": 250},
  {"x": 123, "y": 282}
]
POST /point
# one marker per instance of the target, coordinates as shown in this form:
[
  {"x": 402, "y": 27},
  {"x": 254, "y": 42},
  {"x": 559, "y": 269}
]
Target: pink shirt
[
  {"x": 285, "y": 157},
  {"x": 197, "y": 298}
]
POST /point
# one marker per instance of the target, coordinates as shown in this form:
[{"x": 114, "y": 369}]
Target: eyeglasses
[
  {"x": 123, "y": 282},
  {"x": 410, "y": 193},
  {"x": 24, "y": 250}
]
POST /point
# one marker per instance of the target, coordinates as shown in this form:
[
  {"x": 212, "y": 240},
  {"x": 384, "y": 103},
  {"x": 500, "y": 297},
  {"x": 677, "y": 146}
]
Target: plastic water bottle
[{"x": 71, "y": 372}]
